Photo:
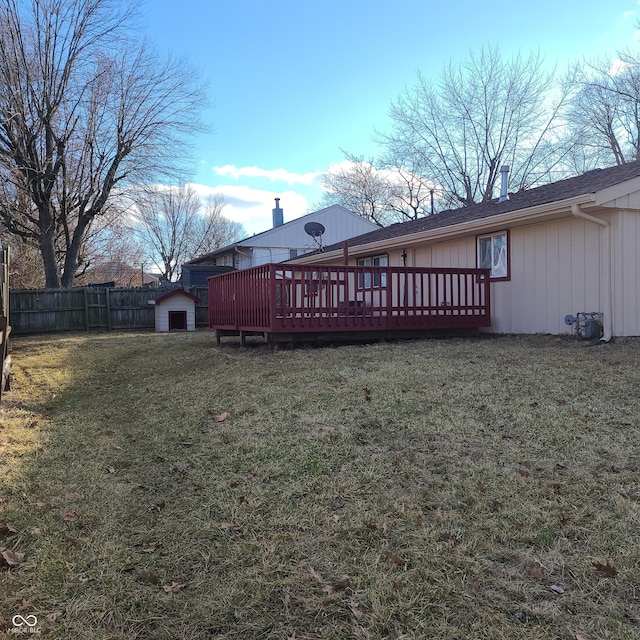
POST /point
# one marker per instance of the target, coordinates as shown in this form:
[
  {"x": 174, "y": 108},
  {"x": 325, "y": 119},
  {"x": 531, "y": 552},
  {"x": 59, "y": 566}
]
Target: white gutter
[{"x": 608, "y": 302}]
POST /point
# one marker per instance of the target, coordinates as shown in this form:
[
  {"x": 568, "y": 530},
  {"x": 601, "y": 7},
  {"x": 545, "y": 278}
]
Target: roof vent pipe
[
  {"x": 278, "y": 215},
  {"x": 504, "y": 186}
]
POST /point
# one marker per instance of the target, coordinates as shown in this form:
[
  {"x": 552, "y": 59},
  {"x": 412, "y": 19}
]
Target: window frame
[
  {"x": 379, "y": 279},
  {"x": 507, "y": 250}
]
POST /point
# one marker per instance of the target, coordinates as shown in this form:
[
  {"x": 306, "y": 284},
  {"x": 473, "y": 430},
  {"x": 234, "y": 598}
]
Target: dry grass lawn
[{"x": 160, "y": 487}]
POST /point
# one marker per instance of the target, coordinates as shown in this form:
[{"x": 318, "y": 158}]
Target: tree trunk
[{"x": 51, "y": 275}]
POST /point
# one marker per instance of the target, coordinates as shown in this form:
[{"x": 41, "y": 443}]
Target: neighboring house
[
  {"x": 287, "y": 240},
  {"x": 558, "y": 249},
  {"x": 118, "y": 274}
]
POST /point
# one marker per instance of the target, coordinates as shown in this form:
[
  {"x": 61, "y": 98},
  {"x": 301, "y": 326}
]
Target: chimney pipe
[
  {"x": 278, "y": 215},
  {"x": 504, "y": 187}
]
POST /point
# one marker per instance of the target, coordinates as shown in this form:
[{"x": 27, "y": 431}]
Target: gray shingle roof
[{"x": 584, "y": 184}]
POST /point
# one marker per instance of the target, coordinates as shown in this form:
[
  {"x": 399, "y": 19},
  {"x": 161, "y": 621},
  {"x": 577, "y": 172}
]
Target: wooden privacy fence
[
  {"x": 89, "y": 308},
  {"x": 276, "y": 299}
]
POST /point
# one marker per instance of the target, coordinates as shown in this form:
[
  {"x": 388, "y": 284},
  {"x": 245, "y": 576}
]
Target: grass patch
[{"x": 162, "y": 487}]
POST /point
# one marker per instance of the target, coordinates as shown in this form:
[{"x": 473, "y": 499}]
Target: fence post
[
  {"x": 86, "y": 308},
  {"x": 108, "y": 305}
]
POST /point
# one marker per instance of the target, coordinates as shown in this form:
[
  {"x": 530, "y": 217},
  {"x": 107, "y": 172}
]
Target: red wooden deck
[{"x": 283, "y": 299}]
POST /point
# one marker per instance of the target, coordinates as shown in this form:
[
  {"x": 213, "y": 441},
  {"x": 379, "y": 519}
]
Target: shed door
[{"x": 177, "y": 320}]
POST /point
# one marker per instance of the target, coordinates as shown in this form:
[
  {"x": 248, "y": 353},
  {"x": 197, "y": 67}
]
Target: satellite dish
[{"x": 315, "y": 230}]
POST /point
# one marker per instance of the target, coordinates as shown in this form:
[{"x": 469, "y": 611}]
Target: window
[
  {"x": 379, "y": 279},
  {"x": 493, "y": 253},
  {"x": 293, "y": 253}
]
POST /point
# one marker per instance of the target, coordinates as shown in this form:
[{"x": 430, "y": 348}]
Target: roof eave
[{"x": 510, "y": 218}]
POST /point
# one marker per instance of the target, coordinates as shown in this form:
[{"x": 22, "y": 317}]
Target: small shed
[{"x": 176, "y": 311}]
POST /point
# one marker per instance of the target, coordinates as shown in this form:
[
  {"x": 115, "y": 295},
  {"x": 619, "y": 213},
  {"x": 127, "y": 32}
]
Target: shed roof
[
  {"x": 176, "y": 292},
  {"x": 587, "y": 183}
]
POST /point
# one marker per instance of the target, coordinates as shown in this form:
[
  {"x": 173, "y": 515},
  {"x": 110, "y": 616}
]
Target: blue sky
[{"x": 291, "y": 82}]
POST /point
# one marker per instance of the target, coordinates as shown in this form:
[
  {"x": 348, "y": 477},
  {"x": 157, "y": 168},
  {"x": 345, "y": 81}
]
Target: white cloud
[
  {"x": 252, "y": 207},
  {"x": 275, "y": 175},
  {"x": 618, "y": 66}
]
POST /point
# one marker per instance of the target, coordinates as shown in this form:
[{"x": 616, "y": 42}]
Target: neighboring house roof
[
  {"x": 538, "y": 200},
  {"x": 176, "y": 292},
  {"x": 120, "y": 274},
  {"x": 264, "y": 238}
]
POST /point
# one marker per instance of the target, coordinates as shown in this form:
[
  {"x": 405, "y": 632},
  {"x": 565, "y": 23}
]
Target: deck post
[{"x": 345, "y": 252}]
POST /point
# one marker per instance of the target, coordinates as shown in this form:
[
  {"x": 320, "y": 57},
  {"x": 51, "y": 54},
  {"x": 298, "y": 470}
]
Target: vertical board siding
[
  {"x": 626, "y": 270},
  {"x": 91, "y": 308}
]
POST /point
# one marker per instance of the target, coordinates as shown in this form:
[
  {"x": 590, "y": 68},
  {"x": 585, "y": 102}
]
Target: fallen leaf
[
  {"x": 225, "y": 415},
  {"x": 74, "y": 495},
  {"x": 71, "y": 516},
  {"x": 480, "y": 487},
  {"x": 173, "y": 587},
  {"x": 6, "y": 530},
  {"x": 580, "y": 636},
  {"x": 53, "y": 617},
  {"x": 112, "y": 470},
  {"x": 182, "y": 467},
  {"x": 242, "y": 500},
  {"x": 608, "y": 569},
  {"x": 536, "y": 571},
  {"x": 357, "y": 612},
  {"x": 37, "y": 531},
  {"x": 523, "y": 473},
  {"x": 144, "y": 575},
  {"x": 393, "y": 557},
  {"x": 12, "y": 558},
  {"x": 337, "y": 586},
  {"x": 517, "y": 525},
  {"x": 453, "y": 538},
  {"x": 367, "y": 393},
  {"x": 151, "y": 548},
  {"x": 78, "y": 543},
  {"x": 45, "y": 507},
  {"x": 26, "y": 604}
]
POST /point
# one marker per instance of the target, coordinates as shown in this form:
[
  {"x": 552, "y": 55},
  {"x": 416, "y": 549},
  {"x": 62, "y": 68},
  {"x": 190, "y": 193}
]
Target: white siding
[
  {"x": 626, "y": 269},
  {"x": 274, "y": 245},
  {"x": 554, "y": 267}
]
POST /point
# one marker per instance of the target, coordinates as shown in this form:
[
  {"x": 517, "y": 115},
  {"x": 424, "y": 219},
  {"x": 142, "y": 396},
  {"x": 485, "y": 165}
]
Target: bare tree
[
  {"x": 359, "y": 187},
  {"x": 174, "y": 227},
  {"x": 604, "y": 119},
  {"x": 482, "y": 114},
  {"x": 385, "y": 191},
  {"x": 84, "y": 111}
]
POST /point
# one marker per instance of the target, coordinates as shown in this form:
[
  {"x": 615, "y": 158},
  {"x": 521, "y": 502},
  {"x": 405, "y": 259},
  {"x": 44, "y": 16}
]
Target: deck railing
[{"x": 278, "y": 298}]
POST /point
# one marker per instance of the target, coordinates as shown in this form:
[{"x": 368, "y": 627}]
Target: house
[
  {"x": 287, "y": 240},
  {"x": 118, "y": 274},
  {"x": 556, "y": 250},
  {"x": 175, "y": 311}
]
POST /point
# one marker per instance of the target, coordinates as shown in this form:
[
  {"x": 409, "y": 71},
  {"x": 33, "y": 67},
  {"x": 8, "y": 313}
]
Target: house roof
[
  {"x": 251, "y": 240},
  {"x": 582, "y": 185},
  {"x": 176, "y": 292}
]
